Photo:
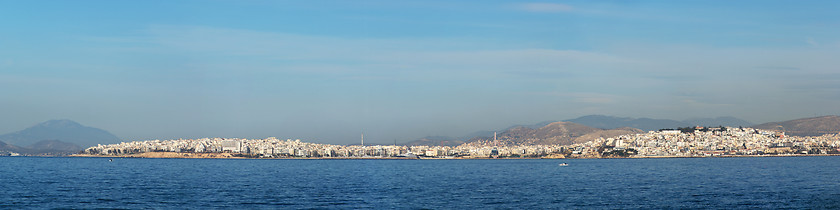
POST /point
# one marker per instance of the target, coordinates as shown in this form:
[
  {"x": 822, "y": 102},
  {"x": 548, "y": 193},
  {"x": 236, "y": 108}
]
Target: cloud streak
[{"x": 261, "y": 76}]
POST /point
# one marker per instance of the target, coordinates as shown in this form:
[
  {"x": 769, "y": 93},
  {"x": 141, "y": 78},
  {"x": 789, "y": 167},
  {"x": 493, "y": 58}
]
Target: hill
[
  {"x": 815, "y": 126},
  {"x": 490, "y": 133},
  {"x": 5, "y": 149},
  {"x": 562, "y": 133},
  {"x": 610, "y": 122},
  {"x": 58, "y": 134},
  {"x": 55, "y": 147},
  {"x": 455, "y": 141},
  {"x": 648, "y": 124}
]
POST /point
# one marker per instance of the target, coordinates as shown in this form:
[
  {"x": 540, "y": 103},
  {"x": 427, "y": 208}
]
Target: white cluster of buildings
[
  {"x": 269, "y": 147},
  {"x": 708, "y": 142},
  {"x": 711, "y": 142},
  {"x": 275, "y": 148}
]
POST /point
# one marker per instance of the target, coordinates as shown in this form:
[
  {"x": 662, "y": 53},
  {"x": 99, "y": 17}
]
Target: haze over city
[{"x": 325, "y": 71}]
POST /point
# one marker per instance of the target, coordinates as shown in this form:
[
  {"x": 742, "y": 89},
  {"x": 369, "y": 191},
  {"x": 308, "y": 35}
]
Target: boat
[
  {"x": 409, "y": 155},
  {"x": 564, "y": 164}
]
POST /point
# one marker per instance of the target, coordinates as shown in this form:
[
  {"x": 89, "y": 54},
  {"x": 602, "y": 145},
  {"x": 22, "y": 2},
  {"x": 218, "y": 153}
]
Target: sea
[{"x": 656, "y": 183}]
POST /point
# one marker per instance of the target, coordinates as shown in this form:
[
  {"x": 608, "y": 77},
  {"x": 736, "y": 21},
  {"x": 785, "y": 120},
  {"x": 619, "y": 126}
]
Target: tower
[
  {"x": 494, "y": 140},
  {"x": 363, "y": 138}
]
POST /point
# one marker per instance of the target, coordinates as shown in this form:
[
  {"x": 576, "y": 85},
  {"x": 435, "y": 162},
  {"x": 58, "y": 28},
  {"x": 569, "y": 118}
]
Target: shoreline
[{"x": 238, "y": 156}]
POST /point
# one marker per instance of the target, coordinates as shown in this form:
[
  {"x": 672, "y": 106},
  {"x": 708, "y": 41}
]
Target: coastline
[
  {"x": 185, "y": 155},
  {"x": 240, "y": 156}
]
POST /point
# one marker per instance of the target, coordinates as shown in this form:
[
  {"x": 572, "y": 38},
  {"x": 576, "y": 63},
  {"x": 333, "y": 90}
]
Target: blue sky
[{"x": 324, "y": 71}]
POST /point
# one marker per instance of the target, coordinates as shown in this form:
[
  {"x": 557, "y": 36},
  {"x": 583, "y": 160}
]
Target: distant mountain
[
  {"x": 6, "y": 149},
  {"x": 58, "y": 134},
  {"x": 490, "y": 133},
  {"x": 610, "y": 122},
  {"x": 815, "y": 126},
  {"x": 562, "y": 133},
  {"x": 607, "y": 125},
  {"x": 455, "y": 141},
  {"x": 648, "y": 124},
  {"x": 435, "y": 141}
]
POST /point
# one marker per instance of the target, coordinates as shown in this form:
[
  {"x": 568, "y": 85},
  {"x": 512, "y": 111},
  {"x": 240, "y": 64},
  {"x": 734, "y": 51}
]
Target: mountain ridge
[
  {"x": 813, "y": 126},
  {"x": 556, "y": 133},
  {"x": 650, "y": 124},
  {"x": 55, "y": 137},
  {"x": 596, "y": 121}
]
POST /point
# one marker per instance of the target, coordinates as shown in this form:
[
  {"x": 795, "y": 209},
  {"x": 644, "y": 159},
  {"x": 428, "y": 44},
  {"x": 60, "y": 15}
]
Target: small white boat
[{"x": 564, "y": 164}]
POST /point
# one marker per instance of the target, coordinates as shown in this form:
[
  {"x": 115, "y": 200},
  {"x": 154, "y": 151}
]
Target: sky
[{"x": 326, "y": 71}]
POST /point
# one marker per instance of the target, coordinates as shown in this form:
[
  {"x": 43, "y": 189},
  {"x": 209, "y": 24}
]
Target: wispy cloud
[
  {"x": 545, "y": 7},
  {"x": 236, "y": 50},
  {"x": 644, "y": 76}
]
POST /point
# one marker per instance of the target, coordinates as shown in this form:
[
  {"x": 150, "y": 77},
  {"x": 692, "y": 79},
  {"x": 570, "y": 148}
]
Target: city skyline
[{"x": 327, "y": 70}]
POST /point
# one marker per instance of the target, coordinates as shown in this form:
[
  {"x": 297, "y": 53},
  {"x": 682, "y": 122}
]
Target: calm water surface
[{"x": 725, "y": 183}]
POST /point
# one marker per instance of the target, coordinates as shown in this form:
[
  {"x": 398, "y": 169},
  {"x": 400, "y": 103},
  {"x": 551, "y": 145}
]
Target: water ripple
[{"x": 723, "y": 183}]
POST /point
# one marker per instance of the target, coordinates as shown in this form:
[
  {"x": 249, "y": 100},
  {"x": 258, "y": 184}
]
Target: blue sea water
[{"x": 720, "y": 183}]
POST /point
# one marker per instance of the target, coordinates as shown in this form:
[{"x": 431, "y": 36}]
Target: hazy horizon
[
  {"x": 405, "y": 139},
  {"x": 325, "y": 71}
]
